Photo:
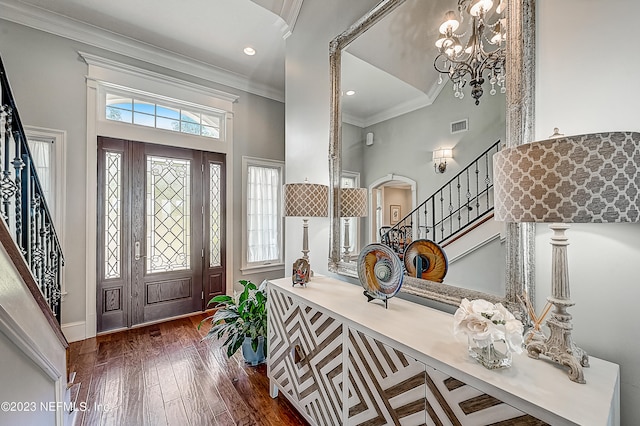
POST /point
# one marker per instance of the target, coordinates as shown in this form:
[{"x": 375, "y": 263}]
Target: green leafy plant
[{"x": 240, "y": 316}]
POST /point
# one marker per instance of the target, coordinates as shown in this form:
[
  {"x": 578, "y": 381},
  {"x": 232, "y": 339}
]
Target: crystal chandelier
[{"x": 482, "y": 56}]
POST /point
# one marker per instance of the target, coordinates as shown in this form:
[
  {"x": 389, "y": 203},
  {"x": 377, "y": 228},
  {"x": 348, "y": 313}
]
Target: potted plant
[{"x": 242, "y": 319}]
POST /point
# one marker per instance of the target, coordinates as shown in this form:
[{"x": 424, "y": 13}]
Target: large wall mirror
[{"x": 383, "y": 136}]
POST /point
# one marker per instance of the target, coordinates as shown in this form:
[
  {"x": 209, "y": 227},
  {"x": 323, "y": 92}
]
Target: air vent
[{"x": 460, "y": 126}]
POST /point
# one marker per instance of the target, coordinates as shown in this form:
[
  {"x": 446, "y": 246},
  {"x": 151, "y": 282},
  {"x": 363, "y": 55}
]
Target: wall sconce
[{"x": 440, "y": 157}]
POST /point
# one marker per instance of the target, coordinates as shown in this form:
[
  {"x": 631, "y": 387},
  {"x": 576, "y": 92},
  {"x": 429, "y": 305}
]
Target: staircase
[
  {"x": 31, "y": 260},
  {"x": 460, "y": 205}
]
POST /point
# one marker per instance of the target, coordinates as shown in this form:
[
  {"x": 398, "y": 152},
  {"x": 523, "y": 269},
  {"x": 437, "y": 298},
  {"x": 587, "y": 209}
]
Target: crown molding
[
  {"x": 290, "y": 12},
  {"x": 286, "y": 10},
  {"x": 396, "y": 110},
  {"x": 151, "y": 75},
  {"x": 353, "y": 120},
  {"x": 62, "y": 26}
]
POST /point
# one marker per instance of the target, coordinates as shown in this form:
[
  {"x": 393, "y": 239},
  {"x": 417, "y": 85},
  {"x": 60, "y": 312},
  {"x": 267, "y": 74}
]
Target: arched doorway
[{"x": 391, "y": 197}]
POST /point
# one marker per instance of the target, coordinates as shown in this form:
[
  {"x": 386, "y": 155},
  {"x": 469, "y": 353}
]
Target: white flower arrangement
[{"x": 487, "y": 323}]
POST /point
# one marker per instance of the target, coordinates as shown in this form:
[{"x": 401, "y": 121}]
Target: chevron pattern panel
[
  {"x": 452, "y": 402},
  {"x": 314, "y": 383},
  {"x": 388, "y": 387},
  {"x": 385, "y": 386}
]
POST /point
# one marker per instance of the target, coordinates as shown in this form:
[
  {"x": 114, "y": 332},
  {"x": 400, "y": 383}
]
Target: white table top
[{"x": 538, "y": 387}]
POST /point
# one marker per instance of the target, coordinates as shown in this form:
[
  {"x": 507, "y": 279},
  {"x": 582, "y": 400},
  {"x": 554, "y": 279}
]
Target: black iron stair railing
[
  {"x": 457, "y": 205},
  {"x": 22, "y": 204}
]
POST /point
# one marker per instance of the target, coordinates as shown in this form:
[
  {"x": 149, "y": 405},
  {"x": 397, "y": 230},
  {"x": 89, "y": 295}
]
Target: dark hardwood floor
[{"x": 164, "y": 375}]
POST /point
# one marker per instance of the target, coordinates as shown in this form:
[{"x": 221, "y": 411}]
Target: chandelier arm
[
  {"x": 472, "y": 62},
  {"x": 457, "y": 64}
]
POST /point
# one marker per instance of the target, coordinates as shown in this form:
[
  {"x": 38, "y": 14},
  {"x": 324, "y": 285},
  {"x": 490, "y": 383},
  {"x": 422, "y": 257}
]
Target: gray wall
[
  {"x": 258, "y": 131},
  {"x": 404, "y": 145},
  {"x": 307, "y": 111},
  {"x": 48, "y": 81},
  {"x": 24, "y": 382},
  {"x": 479, "y": 269},
  {"x": 353, "y": 149}
]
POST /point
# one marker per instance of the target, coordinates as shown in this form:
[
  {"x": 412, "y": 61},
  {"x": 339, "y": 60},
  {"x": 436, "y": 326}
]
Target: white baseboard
[{"x": 74, "y": 331}]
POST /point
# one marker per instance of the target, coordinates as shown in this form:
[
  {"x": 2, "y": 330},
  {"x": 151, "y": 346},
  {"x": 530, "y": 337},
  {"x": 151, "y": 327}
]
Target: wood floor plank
[
  {"x": 113, "y": 382},
  {"x": 96, "y": 394},
  {"x": 164, "y": 374},
  {"x": 224, "y": 419},
  {"x": 176, "y": 415},
  {"x": 133, "y": 389},
  {"x": 154, "y": 412},
  {"x": 150, "y": 372},
  {"x": 111, "y": 416},
  {"x": 134, "y": 342},
  {"x": 206, "y": 382},
  {"x": 89, "y": 345},
  {"x": 109, "y": 349},
  {"x": 168, "y": 383},
  {"x": 84, "y": 366},
  {"x": 193, "y": 398},
  {"x": 236, "y": 405}
]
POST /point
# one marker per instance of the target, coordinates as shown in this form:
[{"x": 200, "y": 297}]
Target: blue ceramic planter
[{"x": 250, "y": 356}]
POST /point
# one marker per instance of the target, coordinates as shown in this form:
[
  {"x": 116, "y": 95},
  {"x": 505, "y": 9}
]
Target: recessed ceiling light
[
  {"x": 350, "y": 92},
  {"x": 249, "y": 51}
]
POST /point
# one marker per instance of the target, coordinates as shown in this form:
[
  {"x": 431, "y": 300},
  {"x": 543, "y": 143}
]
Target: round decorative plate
[
  {"x": 434, "y": 260},
  {"x": 380, "y": 271}
]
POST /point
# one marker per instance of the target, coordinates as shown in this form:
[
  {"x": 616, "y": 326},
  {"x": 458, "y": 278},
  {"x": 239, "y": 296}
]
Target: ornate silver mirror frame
[{"x": 519, "y": 129}]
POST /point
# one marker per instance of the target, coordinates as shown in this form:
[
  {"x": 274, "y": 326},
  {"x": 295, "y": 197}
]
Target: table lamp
[
  {"x": 353, "y": 203},
  {"x": 306, "y": 200},
  {"x": 574, "y": 179}
]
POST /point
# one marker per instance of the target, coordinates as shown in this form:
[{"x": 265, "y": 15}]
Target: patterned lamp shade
[
  {"x": 575, "y": 179},
  {"x": 353, "y": 202},
  {"x": 306, "y": 200}
]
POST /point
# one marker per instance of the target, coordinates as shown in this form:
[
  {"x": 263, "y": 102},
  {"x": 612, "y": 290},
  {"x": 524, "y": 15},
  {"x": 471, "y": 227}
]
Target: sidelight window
[{"x": 262, "y": 186}]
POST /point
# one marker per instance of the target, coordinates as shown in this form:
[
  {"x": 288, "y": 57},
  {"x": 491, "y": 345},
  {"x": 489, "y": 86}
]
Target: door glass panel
[
  {"x": 113, "y": 213},
  {"x": 214, "y": 213},
  {"x": 168, "y": 219}
]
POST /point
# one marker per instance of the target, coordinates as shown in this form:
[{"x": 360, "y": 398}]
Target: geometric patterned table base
[
  {"x": 314, "y": 383},
  {"x": 386, "y": 386}
]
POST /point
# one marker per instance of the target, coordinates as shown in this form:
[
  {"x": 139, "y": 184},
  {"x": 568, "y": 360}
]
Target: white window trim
[
  {"x": 245, "y": 267},
  {"x": 59, "y": 138}
]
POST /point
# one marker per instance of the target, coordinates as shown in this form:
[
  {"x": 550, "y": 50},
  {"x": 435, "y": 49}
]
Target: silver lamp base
[{"x": 559, "y": 346}]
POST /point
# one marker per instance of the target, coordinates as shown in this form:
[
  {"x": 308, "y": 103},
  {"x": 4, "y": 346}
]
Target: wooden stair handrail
[{"x": 465, "y": 231}]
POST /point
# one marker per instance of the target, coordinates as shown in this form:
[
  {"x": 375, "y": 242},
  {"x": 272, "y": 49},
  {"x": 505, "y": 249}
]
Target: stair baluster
[{"x": 446, "y": 220}]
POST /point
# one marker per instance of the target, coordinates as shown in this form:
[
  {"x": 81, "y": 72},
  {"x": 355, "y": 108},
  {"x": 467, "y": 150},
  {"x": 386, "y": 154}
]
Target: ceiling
[
  {"x": 390, "y": 66},
  {"x": 202, "y": 38}
]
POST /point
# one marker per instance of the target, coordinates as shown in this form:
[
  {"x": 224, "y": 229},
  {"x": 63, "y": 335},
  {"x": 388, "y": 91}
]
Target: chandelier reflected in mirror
[{"x": 483, "y": 54}]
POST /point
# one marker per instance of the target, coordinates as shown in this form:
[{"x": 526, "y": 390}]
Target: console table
[{"x": 341, "y": 360}]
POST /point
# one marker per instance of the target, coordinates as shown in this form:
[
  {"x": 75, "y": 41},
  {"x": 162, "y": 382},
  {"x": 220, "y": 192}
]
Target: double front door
[{"x": 161, "y": 227}]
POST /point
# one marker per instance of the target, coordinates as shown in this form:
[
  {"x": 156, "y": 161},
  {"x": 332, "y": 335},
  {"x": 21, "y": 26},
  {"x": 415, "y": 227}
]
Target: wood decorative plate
[{"x": 433, "y": 258}]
